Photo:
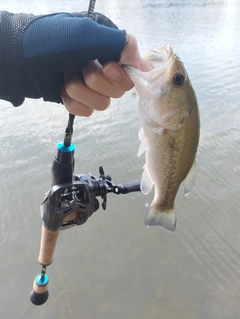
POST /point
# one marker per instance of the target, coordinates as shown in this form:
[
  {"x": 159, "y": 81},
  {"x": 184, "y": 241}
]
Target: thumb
[{"x": 131, "y": 56}]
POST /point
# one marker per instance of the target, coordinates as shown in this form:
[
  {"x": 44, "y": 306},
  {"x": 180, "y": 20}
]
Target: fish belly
[{"x": 169, "y": 158}]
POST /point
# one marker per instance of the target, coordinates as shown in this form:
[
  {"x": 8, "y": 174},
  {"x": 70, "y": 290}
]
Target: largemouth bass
[{"x": 170, "y": 131}]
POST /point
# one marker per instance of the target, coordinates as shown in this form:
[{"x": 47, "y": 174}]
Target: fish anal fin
[
  {"x": 189, "y": 181},
  {"x": 167, "y": 220}
]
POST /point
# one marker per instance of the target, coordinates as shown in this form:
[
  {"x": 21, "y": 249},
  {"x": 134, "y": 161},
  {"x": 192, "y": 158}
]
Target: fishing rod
[
  {"x": 70, "y": 201},
  {"x": 91, "y": 8}
]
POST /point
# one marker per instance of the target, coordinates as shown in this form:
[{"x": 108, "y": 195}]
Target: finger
[
  {"x": 81, "y": 93},
  {"x": 131, "y": 56},
  {"x": 116, "y": 74},
  {"x": 75, "y": 107},
  {"x": 95, "y": 79}
]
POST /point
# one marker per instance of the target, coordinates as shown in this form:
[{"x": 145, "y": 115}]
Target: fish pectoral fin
[
  {"x": 143, "y": 144},
  {"x": 167, "y": 220},
  {"x": 189, "y": 181},
  {"x": 176, "y": 118},
  {"x": 146, "y": 183},
  {"x": 141, "y": 134}
]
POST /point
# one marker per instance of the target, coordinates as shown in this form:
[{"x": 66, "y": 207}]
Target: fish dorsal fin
[
  {"x": 189, "y": 181},
  {"x": 143, "y": 144},
  {"x": 146, "y": 182}
]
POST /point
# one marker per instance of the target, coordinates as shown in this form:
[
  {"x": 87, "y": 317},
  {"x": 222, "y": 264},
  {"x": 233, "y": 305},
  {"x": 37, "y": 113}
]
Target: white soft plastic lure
[{"x": 170, "y": 131}]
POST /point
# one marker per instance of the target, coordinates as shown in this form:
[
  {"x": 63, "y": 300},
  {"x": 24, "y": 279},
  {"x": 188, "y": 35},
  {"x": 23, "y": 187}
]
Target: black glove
[{"x": 36, "y": 50}]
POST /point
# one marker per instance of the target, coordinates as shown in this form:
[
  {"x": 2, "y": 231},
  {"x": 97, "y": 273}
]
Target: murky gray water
[{"x": 113, "y": 267}]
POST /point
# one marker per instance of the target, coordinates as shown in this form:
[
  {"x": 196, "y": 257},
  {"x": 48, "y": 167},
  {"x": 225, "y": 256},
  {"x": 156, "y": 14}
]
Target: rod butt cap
[{"x": 38, "y": 299}]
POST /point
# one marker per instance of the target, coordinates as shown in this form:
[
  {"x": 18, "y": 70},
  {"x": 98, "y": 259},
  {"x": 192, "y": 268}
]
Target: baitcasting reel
[{"x": 71, "y": 204}]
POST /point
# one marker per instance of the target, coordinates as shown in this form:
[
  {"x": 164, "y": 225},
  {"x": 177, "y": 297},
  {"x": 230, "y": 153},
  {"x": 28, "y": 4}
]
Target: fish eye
[{"x": 178, "y": 79}]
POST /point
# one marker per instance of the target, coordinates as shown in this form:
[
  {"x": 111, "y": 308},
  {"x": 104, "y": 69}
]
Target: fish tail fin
[{"x": 166, "y": 220}]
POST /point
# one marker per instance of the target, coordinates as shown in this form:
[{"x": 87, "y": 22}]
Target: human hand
[
  {"x": 100, "y": 83},
  {"x": 43, "y": 52},
  {"x": 36, "y": 52},
  {"x": 94, "y": 92}
]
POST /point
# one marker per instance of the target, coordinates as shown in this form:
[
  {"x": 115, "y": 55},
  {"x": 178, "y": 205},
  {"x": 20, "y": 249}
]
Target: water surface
[{"x": 113, "y": 267}]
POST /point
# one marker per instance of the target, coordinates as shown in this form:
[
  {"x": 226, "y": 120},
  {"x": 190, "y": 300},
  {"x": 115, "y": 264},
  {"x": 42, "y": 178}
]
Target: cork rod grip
[
  {"x": 40, "y": 289},
  {"x": 47, "y": 246}
]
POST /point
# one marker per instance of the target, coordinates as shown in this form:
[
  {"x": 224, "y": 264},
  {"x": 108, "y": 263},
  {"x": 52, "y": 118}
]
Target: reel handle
[{"x": 132, "y": 186}]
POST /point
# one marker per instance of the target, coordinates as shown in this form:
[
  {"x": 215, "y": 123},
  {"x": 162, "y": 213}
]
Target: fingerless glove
[{"x": 35, "y": 51}]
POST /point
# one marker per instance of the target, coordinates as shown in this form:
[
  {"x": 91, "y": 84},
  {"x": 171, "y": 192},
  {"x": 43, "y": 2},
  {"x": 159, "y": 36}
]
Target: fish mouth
[
  {"x": 159, "y": 57},
  {"x": 159, "y": 61}
]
